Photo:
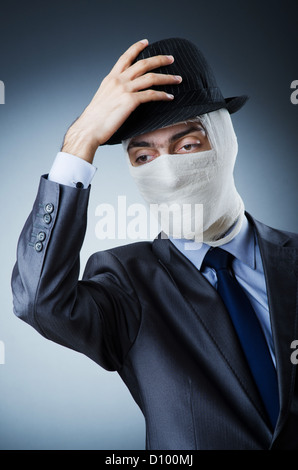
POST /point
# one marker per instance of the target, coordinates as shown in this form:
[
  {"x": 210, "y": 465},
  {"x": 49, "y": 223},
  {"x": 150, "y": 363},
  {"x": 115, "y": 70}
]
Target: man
[{"x": 166, "y": 317}]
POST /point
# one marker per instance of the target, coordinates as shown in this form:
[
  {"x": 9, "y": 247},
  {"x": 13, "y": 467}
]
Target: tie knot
[{"x": 218, "y": 259}]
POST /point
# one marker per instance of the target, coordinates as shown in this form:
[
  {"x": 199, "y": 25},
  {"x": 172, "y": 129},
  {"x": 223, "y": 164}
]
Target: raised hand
[{"x": 120, "y": 93}]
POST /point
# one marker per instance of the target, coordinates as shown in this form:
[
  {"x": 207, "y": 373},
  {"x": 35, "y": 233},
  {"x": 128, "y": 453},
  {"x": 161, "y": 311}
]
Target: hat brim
[{"x": 138, "y": 125}]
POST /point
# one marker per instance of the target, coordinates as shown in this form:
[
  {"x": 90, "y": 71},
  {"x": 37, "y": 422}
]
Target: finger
[
  {"x": 145, "y": 65},
  {"x": 152, "y": 95},
  {"x": 127, "y": 58},
  {"x": 153, "y": 79}
]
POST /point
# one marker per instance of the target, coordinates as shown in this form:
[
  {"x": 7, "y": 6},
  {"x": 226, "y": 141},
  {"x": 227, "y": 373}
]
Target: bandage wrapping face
[{"x": 181, "y": 184}]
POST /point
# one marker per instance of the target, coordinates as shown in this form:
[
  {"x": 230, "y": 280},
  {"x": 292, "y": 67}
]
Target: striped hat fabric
[{"x": 197, "y": 94}]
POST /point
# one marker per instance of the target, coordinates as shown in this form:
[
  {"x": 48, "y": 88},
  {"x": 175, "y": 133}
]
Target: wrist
[{"x": 80, "y": 144}]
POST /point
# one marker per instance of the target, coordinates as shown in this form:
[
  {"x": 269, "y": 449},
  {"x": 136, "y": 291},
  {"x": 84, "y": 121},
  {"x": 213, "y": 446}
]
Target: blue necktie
[{"x": 248, "y": 329}]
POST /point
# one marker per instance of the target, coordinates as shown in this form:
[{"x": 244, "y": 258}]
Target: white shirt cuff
[{"x": 69, "y": 170}]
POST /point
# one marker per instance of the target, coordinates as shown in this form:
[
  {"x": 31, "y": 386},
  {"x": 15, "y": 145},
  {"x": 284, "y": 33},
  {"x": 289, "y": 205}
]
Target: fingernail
[
  {"x": 144, "y": 41},
  {"x": 178, "y": 78},
  {"x": 170, "y": 96},
  {"x": 170, "y": 57}
]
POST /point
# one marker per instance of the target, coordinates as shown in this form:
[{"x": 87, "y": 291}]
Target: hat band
[{"x": 195, "y": 97}]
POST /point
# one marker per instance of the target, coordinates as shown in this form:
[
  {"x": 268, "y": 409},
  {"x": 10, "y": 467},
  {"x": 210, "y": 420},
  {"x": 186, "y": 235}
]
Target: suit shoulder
[
  {"x": 277, "y": 236},
  {"x": 289, "y": 239},
  {"x": 131, "y": 250},
  {"x": 121, "y": 258}
]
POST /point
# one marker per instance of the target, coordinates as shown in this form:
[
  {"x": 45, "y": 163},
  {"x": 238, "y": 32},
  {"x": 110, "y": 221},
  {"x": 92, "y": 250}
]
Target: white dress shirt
[{"x": 69, "y": 170}]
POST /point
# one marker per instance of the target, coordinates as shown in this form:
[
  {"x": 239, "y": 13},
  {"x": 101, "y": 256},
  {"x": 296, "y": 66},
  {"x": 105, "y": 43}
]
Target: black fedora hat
[{"x": 197, "y": 94}]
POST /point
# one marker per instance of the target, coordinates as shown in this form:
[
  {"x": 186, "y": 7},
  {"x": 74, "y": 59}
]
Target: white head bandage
[{"x": 186, "y": 180}]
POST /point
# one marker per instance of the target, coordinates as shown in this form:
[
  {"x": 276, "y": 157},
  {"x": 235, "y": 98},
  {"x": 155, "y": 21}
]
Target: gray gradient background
[{"x": 53, "y": 56}]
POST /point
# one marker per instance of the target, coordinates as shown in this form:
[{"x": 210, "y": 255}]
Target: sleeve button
[
  {"x": 47, "y": 218},
  {"x": 49, "y": 207},
  {"x": 41, "y": 236},
  {"x": 38, "y": 246}
]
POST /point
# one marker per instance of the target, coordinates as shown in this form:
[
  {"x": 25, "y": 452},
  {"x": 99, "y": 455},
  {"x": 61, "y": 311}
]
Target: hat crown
[
  {"x": 197, "y": 94},
  {"x": 189, "y": 62}
]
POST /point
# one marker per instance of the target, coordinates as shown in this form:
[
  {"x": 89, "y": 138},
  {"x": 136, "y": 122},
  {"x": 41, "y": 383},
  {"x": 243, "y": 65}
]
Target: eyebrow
[
  {"x": 187, "y": 131},
  {"x": 145, "y": 143}
]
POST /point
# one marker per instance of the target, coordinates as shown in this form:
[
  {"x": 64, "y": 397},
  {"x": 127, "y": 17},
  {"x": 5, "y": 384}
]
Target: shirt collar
[{"x": 243, "y": 247}]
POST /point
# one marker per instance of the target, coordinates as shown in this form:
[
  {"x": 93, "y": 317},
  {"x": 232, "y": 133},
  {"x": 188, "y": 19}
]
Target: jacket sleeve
[{"x": 97, "y": 316}]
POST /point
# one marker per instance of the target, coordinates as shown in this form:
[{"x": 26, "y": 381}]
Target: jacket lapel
[
  {"x": 280, "y": 261},
  {"x": 208, "y": 308}
]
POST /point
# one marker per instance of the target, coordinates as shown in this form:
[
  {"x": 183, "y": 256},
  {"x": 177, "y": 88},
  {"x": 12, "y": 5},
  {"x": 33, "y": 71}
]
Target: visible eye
[
  {"x": 142, "y": 159},
  {"x": 189, "y": 147}
]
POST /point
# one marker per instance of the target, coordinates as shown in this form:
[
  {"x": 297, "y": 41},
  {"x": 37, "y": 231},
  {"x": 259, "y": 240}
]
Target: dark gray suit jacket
[{"x": 145, "y": 311}]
